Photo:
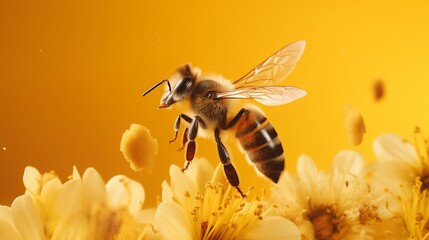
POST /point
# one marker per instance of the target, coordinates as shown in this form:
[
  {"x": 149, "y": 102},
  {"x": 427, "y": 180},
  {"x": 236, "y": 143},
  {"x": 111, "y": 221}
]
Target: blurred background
[{"x": 72, "y": 74}]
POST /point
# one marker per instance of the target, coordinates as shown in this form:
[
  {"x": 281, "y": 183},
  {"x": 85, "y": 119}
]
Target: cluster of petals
[{"x": 84, "y": 207}]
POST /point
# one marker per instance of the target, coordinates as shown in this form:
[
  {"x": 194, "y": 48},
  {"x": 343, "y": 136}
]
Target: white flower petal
[
  {"x": 167, "y": 192},
  {"x": 306, "y": 169},
  {"x": 50, "y": 191},
  {"x": 76, "y": 174},
  {"x": 219, "y": 175},
  {"x": 72, "y": 227},
  {"x": 146, "y": 216},
  {"x": 180, "y": 183},
  {"x": 32, "y": 180},
  {"x": 307, "y": 230},
  {"x": 26, "y": 220},
  {"x": 93, "y": 187},
  {"x": 6, "y": 214},
  {"x": 310, "y": 177},
  {"x": 69, "y": 199},
  {"x": 395, "y": 177},
  {"x": 124, "y": 192},
  {"x": 390, "y": 229},
  {"x": 349, "y": 162},
  {"x": 274, "y": 228},
  {"x": 391, "y": 147},
  {"x": 8, "y": 231},
  {"x": 172, "y": 221},
  {"x": 199, "y": 172}
]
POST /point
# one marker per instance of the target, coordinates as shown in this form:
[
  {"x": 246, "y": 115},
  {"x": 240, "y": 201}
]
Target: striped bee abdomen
[{"x": 260, "y": 141}]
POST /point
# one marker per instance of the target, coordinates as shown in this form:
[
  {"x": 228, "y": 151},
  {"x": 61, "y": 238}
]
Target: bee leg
[
  {"x": 177, "y": 125},
  {"x": 228, "y": 168},
  {"x": 191, "y": 145},
  {"x": 235, "y": 119},
  {"x": 184, "y": 140}
]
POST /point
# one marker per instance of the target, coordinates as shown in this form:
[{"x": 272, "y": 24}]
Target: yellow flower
[
  {"x": 20, "y": 221},
  {"x": 416, "y": 213},
  {"x": 327, "y": 206},
  {"x": 200, "y": 204},
  {"x": 398, "y": 164},
  {"x": 84, "y": 207}
]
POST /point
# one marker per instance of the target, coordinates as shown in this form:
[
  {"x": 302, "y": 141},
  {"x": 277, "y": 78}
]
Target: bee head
[{"x": 179, "y": 88}]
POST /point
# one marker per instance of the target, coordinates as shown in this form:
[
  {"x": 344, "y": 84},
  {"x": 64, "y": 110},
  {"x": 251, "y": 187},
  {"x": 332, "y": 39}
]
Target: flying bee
[{"x": 211, "y": 98}]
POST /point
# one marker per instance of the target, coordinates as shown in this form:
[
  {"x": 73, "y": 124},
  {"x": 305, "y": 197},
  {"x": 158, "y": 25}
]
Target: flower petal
[
  {"x": 32, "y": 180},
  {"x": 50, "y": 190},
  {"x": 25, "y": 217},
  {"x": 76, "y": 174},
  {"x": 306, "y": 168},
  {"x": 391, "y": 147},
  {"x": 68, "y": 200},
  {"x": 172, "y": 221},
  {"x": 394, "y": 177},
  {"x": 199, "y": 173},
  {"x": 93, "y": 187},
  {"x": 349, "y": 162},
  {"x": 146, "y": 216},
  {"x": 219, "y": 175},
  {"x": 125, "y": 192},
  {"x": 309, "y": 176},
  {"x": 8, "y": 231},
  {"x": 6, "y": 214},
  {"x": 274, "y": 228},
  {"x": 72, "y": 227},
  {"x": 180, "y": 183},
  {"x": 167, "y": 192}
]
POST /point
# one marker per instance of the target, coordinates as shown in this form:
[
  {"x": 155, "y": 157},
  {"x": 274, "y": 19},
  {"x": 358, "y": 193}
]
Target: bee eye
[{"x": 184, "y": 85}]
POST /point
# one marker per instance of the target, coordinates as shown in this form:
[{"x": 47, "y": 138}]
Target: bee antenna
[{"x": 156, "y": 85}]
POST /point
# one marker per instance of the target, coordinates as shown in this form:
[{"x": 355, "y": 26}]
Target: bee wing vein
[
  {"x": 274, "y": 69},
  {"x": 267, "y": 95}
]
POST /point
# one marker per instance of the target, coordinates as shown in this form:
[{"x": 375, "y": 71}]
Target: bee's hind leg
[{"x": 228, "y": 168}]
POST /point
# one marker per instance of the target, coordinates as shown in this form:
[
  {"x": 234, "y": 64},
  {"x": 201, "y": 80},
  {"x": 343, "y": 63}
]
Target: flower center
[
  {"x": 416, "y": 212},
  {"x": 325, "y": 224},
  {"x": 221, "y": 214}
]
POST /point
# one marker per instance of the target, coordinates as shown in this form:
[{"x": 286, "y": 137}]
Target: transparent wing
[
  {"x": 276, "y": 68},
  {"x": 268, "y": 95}
]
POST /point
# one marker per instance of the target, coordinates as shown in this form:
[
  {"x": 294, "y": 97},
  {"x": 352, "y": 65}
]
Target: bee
[{"x": 211, "y": 98}]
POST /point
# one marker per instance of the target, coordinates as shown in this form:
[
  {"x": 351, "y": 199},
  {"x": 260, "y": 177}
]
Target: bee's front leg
[
  {"x": 177, "y": 125},
  {"x": 191, "y": 146}
]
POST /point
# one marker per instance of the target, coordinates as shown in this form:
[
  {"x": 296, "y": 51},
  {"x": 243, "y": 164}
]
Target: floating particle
[
  {"x": 378, "y": 89},
  {"x": 139, "y": 148},
  {"x": 4, "y": 148},
  {"x": 355, "y": 126}
]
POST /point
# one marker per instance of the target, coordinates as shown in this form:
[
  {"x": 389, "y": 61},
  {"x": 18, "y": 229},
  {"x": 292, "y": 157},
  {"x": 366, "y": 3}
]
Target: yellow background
[{"x": 72, "y": 74}]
